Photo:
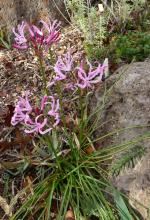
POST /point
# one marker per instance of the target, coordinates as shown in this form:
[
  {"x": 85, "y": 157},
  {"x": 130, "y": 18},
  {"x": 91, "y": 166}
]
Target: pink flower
[
  {"x": 36, "y": 35},
  {"x": 18, "y": 117},
  {"x": 45, "y": 36},
  {"x": 54, "y": 110},
  {"x": 20, "y": 39},
  {"x": 53, "y": 32},
  {"x": 38, "y": 119},
  {"x": 22, "y": 108},
  {"x": 63, "y": 65},
  {"x": 86, "y": 80},
  {"x": 24, "y": 104},
  {"x": 37, "y": 126},
  {"x": 40, "y": 125}
]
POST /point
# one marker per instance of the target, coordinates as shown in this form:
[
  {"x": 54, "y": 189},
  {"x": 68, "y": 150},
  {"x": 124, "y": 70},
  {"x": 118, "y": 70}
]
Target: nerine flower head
[
  {"x": 20, "y": 39},
  {"x": 36, "y": 35},
  {"x": 37, "y": 119},
  {"x": 53, "y": 32},
  {"x": 62, "y": 67},
  {"x": 38, "y": 125},
  {"x": 45, "y": 36},
  {"x": 86, "y": 79},
  {"x": 22, "y": 109},
  {"x": 47, "y": 117},
  {"x": 64, "y": 63}
]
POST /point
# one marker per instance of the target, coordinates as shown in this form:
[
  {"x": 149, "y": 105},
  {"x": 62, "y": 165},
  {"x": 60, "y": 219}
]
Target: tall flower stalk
[
  {"x": 40, "y": 39},
  {"x": 43, "y": 74}
]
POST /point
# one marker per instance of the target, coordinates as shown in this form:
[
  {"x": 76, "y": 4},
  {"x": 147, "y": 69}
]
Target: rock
[
  {"x": 14, "y": 11},
  {"x": 136, "y": 184},
  {"x": 129, "y": 105}
]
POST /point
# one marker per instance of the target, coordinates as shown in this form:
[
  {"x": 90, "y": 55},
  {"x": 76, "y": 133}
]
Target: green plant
[
  {"x": 128, "y": 159},
  {"x": 89, "y": 21},
  {"x": 133, "y": 45},
  {"x": 73, "y": 178},
  {"x": 66, "y": 170},
  {"x": 77, "y": 180}
]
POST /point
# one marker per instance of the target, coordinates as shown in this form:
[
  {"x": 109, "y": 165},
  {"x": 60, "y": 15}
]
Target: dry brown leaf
[
  {"x": 30, "y": 185},
  {"x": 69, "y": 215},
  {"x": 77, "y": 141},
  {"x": 89, "y": 149},
  {"x": 4, "y": 205},
  {"x": 23, "y": 141}
]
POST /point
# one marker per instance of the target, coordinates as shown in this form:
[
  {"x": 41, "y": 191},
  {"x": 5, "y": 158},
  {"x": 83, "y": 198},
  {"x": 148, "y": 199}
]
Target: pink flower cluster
[
  {"x": 64, "y": 70},
  {"x": 91, "y": 77},
  {"x": 45, "y": 36},
  {"x": 63, "y": 66},
  {"x": 37, "y": 120},
  {"x": 84, "y": 75}
]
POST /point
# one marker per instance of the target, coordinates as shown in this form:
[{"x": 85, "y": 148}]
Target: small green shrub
[
  {"x": 123, "y": 48},
  {"x": 134, "y": 45},
  {"x": 91, "y": 23}
]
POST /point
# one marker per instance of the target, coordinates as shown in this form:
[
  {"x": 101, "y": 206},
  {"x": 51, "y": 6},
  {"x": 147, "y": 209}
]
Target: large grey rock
[
  {"x": 129, "y": 105},
  {"x": 13, "y": 11}
]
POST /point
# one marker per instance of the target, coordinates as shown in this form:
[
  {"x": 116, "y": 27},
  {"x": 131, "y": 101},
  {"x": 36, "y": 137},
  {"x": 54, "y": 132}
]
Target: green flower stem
[
  {"x": 52, "y": 59},
  {"x": 42, "y": 71}
]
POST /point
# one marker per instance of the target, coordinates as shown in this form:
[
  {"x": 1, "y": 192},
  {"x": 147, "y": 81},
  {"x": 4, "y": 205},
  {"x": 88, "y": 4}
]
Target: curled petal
[
  {"x": 43, "y": 102},
  {"x": 57, "y": 120},
  {"x": 22, "y": 109},
  {"x": 20, "y": 47},
  {"x": 82, "y": 86},
  {"x": 20, "y": 39},
  {"x": 17, "y": 118},
  {"x": 30, "y": 131},
  {"x": 37, "y": 126},
  {"x": 45, "y": 131}
]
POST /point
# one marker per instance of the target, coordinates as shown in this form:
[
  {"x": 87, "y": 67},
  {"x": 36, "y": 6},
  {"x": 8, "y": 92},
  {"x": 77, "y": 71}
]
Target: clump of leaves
[
  {"x": 124, "y": 48},
  {"x": 77, "y": 181},
  {"x": 134, "y": 45}
]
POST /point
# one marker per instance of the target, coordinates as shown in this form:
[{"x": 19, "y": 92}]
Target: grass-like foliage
[
  {"x": 77, "y": 181},
  {"x": 128, "y": 159}
]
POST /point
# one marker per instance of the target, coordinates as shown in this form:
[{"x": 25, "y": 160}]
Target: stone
[
  {"x": 14, "y": 11},
  {"x": 128, "y": 105}
]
